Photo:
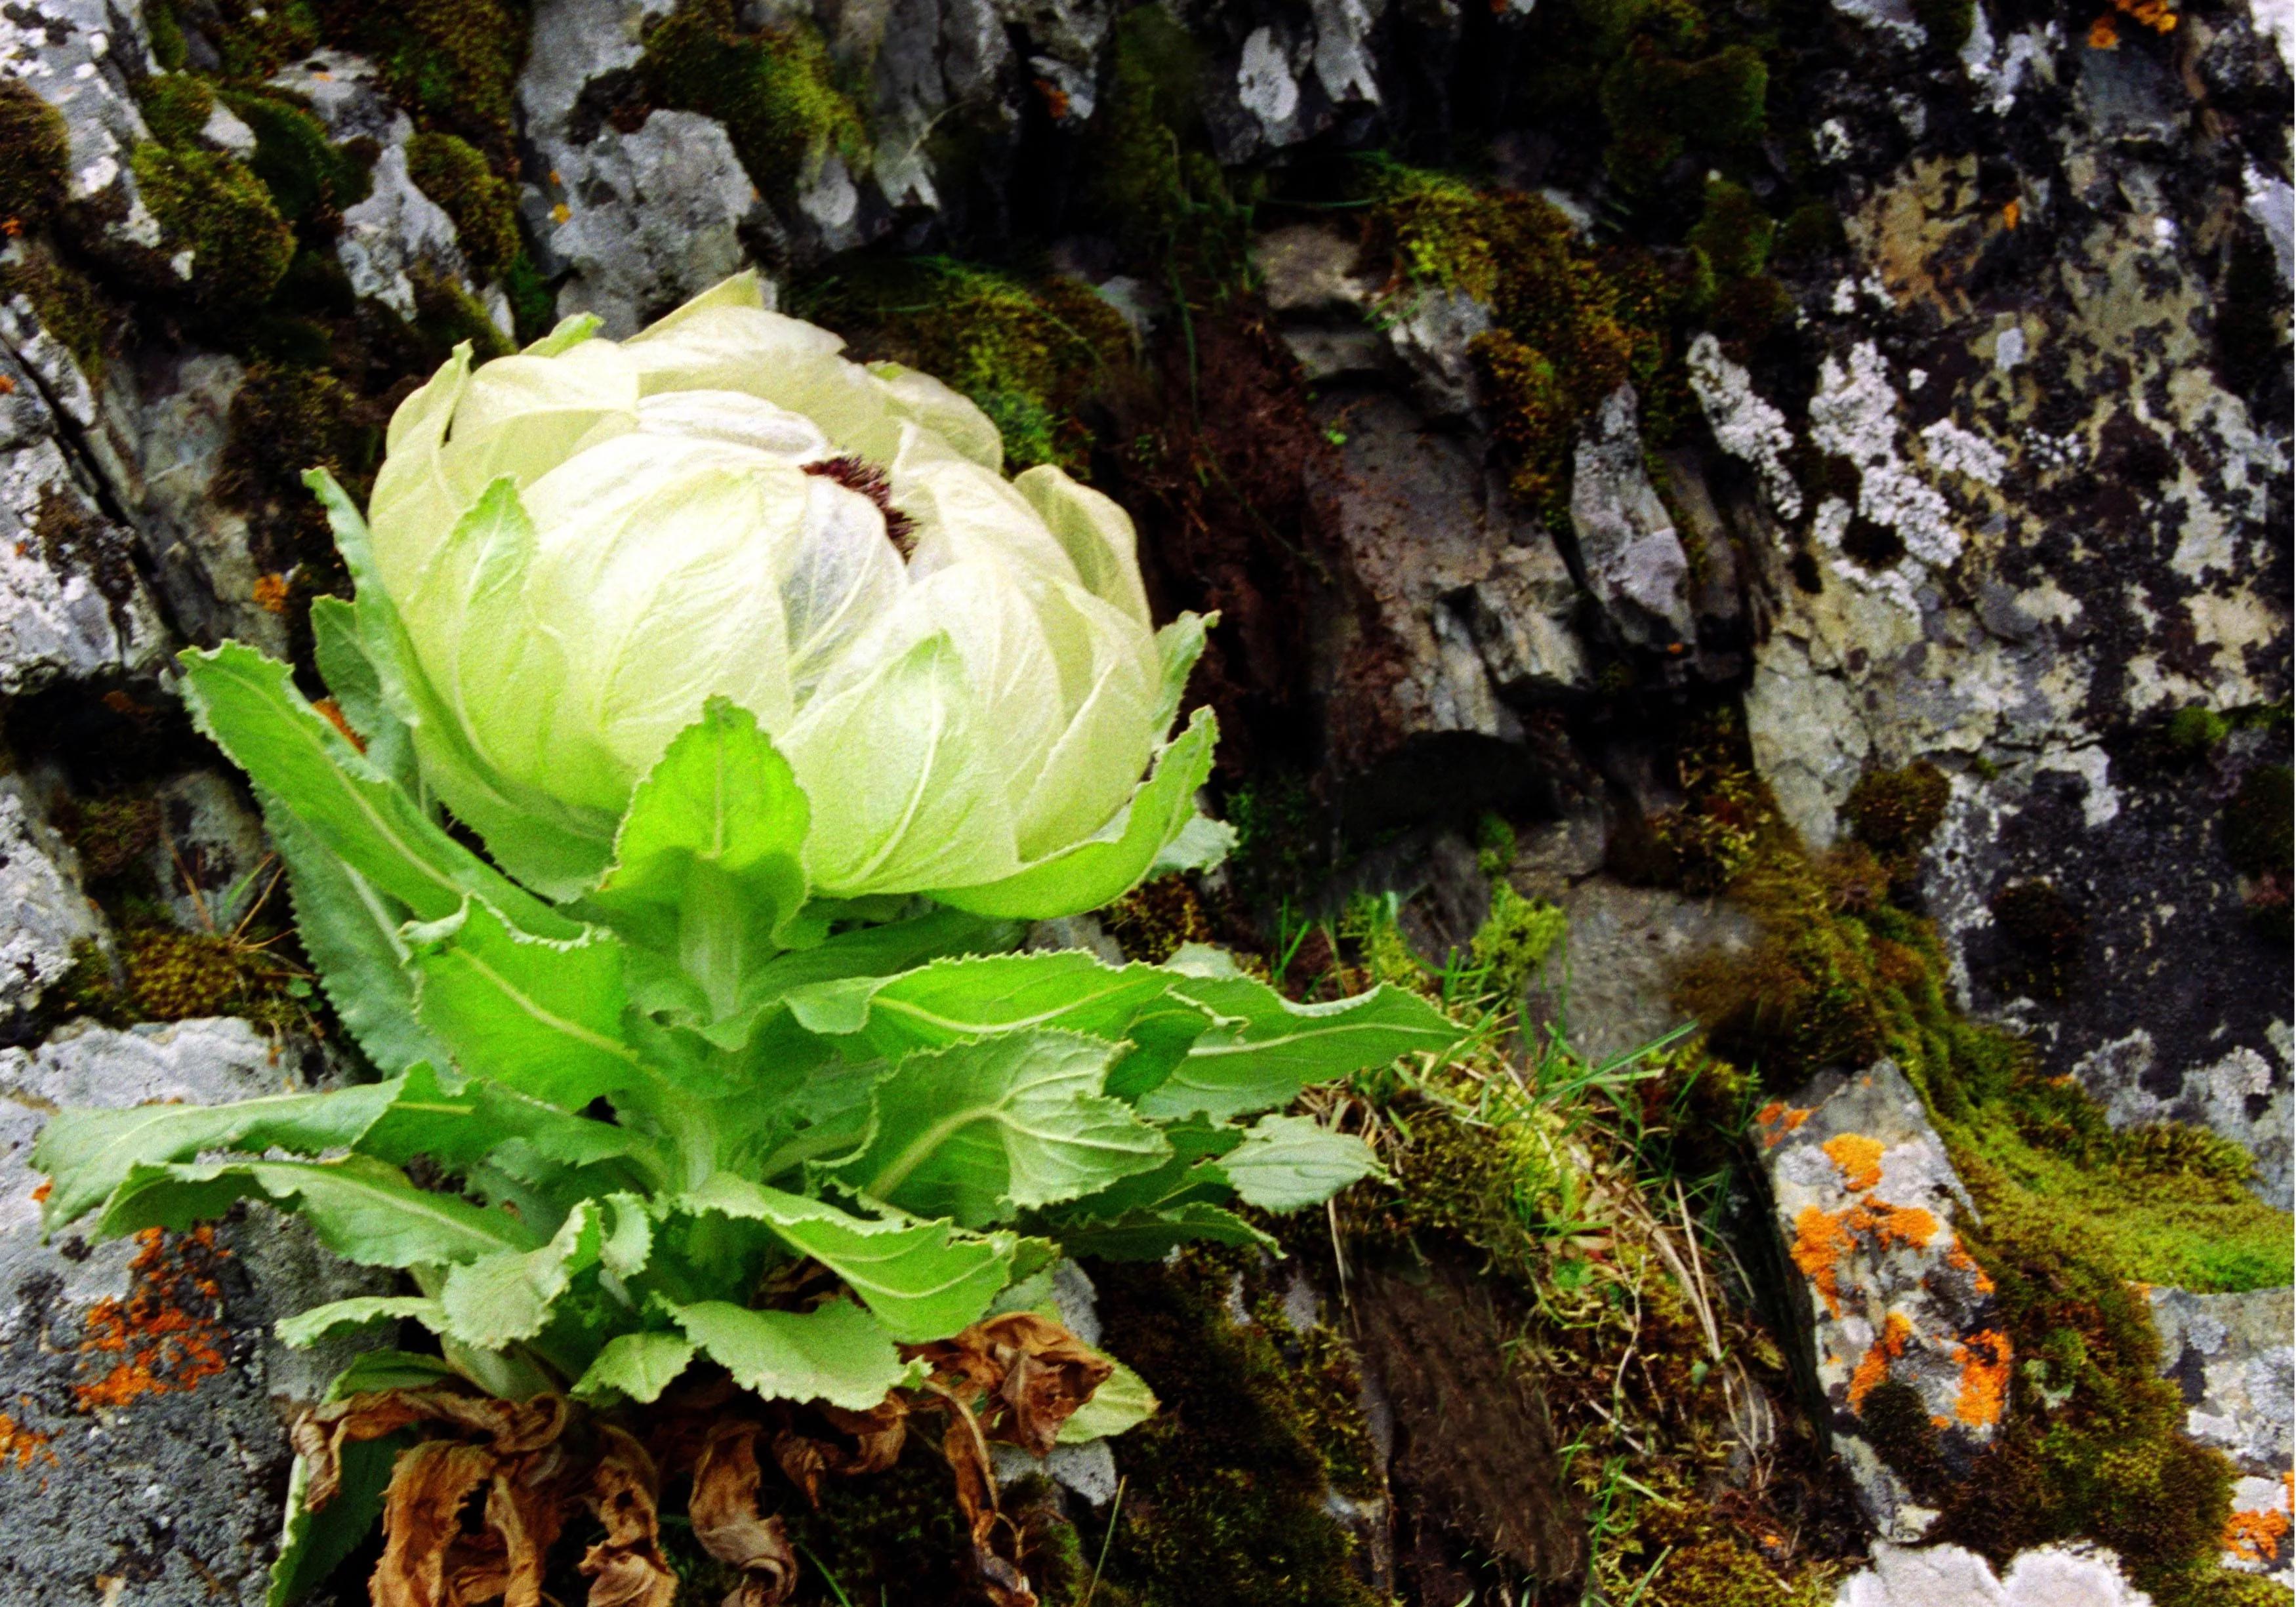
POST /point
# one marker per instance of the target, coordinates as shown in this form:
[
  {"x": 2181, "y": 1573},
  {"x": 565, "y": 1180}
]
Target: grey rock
[
  {"x": 1521, "y": 616},
  {"x": 46, "y": 913},
  {"x": 1312, "y": 269},
  {"x": 158, "y": 1485},
  {"x": 224, "y": 131},
  {"x": 1432, "y": 339},
  {"x": 70, "y": 52},
  {"x": 574, "y": 42},
  {"x": 934, "y": 63},
  {"x": 1610, "y": 989},
  {"x": 2233, "y": 1356},
  {"x": 71, "y": 606},
  {"x": 1866, "y": 1199},
  {"x": 1635, "y": 564},
  {"x": 1947, "y": 1575},
  {"x": 1294, "y": 77},
  {"x": 2240, "y": 1091},
  {"x": 394, "y": 236},
  {"x": 200, "y": 547},
  {"x": 344, "y": 92},
  {"x": 646, "y": 220}
]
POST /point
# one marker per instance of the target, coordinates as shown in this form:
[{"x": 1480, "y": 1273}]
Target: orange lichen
[
  {"x": 1985, "y": 1358},
  {"x": 2159, "y": 15},
  {"x": 2102, "y": 35},
  {"x": 2011, "y": 214},
  {"x": 164, "y": 1336},
  {"x": 1907, "y": 1224},
  {"x": 1821, "y": 1239},
  {"x": 1874, "y": 1367},
  {"x": 1781, "y": 1117},
  {"x": 23, "y": 1446},
  {"x": 271, "y": 594},
  {"x": 2257, "y": 1537},
  {"x": 1860, "y": 1158},
  {"x": 1961, "y": 1260}
]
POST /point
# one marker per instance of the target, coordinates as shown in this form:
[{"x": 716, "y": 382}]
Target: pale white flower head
[{"x": 588, "y": 540}]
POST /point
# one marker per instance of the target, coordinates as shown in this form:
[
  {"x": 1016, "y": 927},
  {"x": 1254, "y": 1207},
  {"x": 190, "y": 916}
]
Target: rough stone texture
[
  {"x": 1609, "y": 987},
  {"x": 47, "y": 913},
  {"x": 2233, "y": 1356},
  {"x": 144, "y": 1397},
  {"x": 1867, "y": 1200},
  {"x": 70, "y": 50},
  {"x": 1635, "y": 563},
  {"x": 2054, "y": 1576}
]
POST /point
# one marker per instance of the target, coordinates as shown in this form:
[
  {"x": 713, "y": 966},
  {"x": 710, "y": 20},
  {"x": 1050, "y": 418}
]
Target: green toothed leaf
[
  {"x": 836, "y": 1352},
  {"x": 1288, "y": 1162}
]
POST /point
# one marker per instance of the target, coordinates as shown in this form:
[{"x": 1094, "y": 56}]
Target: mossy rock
[
  {"x": 311, "y": 179},
  {"x": 484, "y": 206},
  {"x": 453, "y": 64},
  {"x": 775, "y": 89},
  {"x": 34, "y": 149},
  {"x": 66, "y": 301},
  {"x": 213, "y": 207}
]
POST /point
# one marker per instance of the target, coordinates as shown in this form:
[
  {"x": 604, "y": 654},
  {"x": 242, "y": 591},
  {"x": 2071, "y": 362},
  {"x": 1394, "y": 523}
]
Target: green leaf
[
  {"x": 342, "y": 656},
  {"x": 1108, "y": 865},
  {"x": 951, "y": 1000},
  {"x": 1187, "y": 1175},
  {"x": 479, "y": 1121},
  {"x": 626, "y": 1240},
  {"x": 87, "y": 1153},
  {"x": 707, "y": 864},
  {"x": 373, "y": 1370},
  {"x": 836, "y": 1352},
  {"x": 499, "y": 1299},
  {"x": 315, "y": 1542},
  {"x": 541, "y": 1016},
  {"x": 634, "y": 1367},
  {"x": 307, "y": 1328},
  {"x": 1151, "y": 1236},
  {"x": 1287, "y": 1163},
  {"x": 1123, "y": 1401},
  {"x": 544, "y": 842},
  {"x": 1268, "y": 1048},
  {"x": 351, "y": 929},
  {"x": 249, "y": 705},
  {"x": 923, "y": 1280},
  {"x": 978, "y": 1130},
  {"x": 362, "y": 1210}
]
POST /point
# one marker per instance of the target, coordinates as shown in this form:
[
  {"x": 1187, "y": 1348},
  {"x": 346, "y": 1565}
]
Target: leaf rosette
[{"x": 717, "y": 1066}]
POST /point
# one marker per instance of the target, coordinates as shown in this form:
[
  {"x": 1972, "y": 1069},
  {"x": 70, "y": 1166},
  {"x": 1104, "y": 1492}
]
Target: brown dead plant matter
[{"x": 473, "y": 1513}]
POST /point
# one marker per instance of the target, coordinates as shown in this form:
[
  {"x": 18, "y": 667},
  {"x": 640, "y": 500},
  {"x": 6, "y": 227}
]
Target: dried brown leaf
[
  {"x": 627, "y": 1569},
  {"x": 726, "y": 1521},
  {"x": 423, "y": 1523}
]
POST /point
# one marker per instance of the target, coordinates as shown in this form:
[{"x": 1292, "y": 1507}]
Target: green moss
[
  {"x": 453, "y": 64},
  {"x": 533, "y": 305},
  {"x": 283, "y": 421},
  {"x": 1494, "y": 843},
  {"x": 775, "y": 89},
  {"x": 446, "y": 315},
  {"x": 484, "y": 206},
  {"x": 1226, "y": 1502},
  {"x": 1514, "y": 941},
  {"x": 214, "y": 208},
  {"x": 67, "y": 302},
  {"x": 1730, "y": 253},
  {"x": 169, "y": 52},
  {"x": 1811, "y": 233},
  {"x": 176, "y": 106},
  {"x": 253, "y": 39},
  {"x": 1569, "y": 324},
  {"x": 175, "y": 976},
  {"x": 110, "y": 834},
  {"x": 1658, "y": 105},
  {"x": 34, "y": 148},
  {"x": 1897, "y": 812},
  {"x": 310, "y": 179},
  {"x": 1030, "y": 352}
]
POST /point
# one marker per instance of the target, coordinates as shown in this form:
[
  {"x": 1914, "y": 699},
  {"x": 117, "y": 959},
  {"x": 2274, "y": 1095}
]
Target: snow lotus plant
[{"x": 715, "y": 1112}]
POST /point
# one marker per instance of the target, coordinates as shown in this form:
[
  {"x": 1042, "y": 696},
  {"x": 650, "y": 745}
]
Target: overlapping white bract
[{"x": 953, "y": 717}]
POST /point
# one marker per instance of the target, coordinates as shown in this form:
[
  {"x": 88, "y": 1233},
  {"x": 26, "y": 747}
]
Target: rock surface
[
  {"x": 1903, "y": 1320},
  {"x": 141, "y": 1448}
]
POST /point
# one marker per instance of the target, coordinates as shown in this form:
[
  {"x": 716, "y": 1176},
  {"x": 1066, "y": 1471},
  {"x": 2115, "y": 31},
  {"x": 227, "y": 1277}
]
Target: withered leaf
[
  {"x": 422, "y": 1522},
  {"x": 726, "y": 1521},
  {"x": 626, "y": 1568}
]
